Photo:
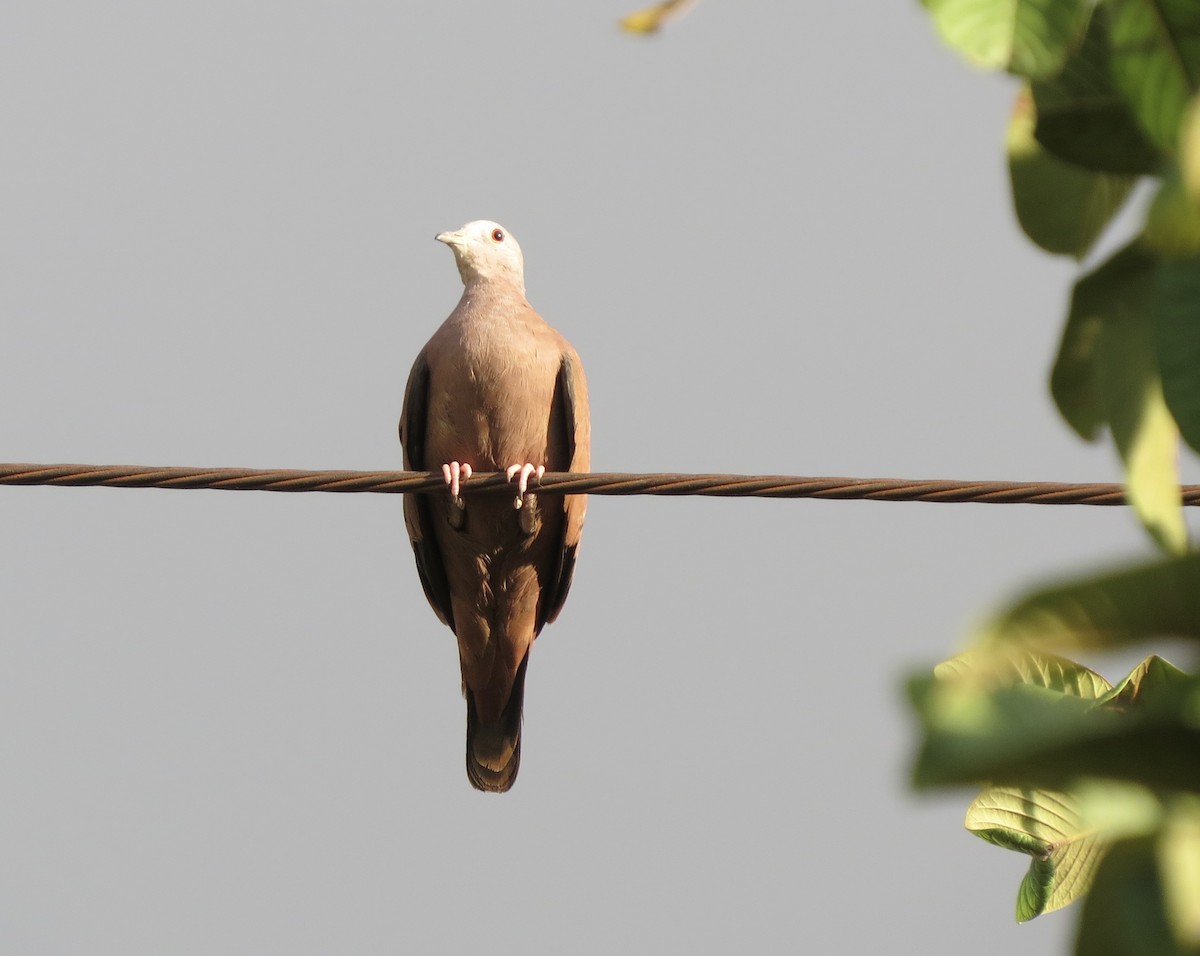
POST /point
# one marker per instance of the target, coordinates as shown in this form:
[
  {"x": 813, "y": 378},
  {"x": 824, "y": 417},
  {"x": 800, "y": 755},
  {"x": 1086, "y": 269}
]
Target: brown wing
[
  {"x": 570, "y": 417},
  {"x": 418, "y": 517}
]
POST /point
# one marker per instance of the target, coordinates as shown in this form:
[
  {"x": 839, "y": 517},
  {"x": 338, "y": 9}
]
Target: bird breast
[{"x": 488, "y": 403}]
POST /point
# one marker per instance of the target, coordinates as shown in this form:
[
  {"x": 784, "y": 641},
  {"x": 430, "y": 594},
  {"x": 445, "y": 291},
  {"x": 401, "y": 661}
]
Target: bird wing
[
  {"x": 418, "y": 516},
  {"x": 571, "y": 432}
]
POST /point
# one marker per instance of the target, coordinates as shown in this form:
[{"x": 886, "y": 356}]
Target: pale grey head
[{"x": 485, "y": 251}]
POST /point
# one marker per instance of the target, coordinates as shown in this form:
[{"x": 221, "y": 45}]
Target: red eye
[{"x": 498, "y": 235}]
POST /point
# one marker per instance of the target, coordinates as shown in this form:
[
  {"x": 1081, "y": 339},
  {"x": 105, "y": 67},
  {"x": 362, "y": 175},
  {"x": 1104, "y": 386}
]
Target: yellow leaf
[
  {"x": 1173, "y": 222},
  {"x": 1189, "y": 150},
  {"x": 1179, "y": 868},
  {"x": 651, "y": 19},
  {"x": 1152, "y": 472}
]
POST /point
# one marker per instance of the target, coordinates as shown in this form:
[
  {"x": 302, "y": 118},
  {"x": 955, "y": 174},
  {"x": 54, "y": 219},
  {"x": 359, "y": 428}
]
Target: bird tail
[{"x": 494, "y": 749}]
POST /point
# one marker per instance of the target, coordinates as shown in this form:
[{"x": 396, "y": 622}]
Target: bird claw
[
  {"x": 522, "y": 474},
  {"x": 455, "y": 474}
]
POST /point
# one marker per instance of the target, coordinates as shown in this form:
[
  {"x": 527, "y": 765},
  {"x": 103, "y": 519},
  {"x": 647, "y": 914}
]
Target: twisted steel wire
[{"x": 733, "y": 486}]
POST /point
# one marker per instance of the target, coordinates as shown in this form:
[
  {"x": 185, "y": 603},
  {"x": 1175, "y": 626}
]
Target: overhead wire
[{"x": 595, "y": 483}]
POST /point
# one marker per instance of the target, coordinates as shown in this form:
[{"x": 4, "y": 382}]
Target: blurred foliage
[{"x": 1099, "y": 785}]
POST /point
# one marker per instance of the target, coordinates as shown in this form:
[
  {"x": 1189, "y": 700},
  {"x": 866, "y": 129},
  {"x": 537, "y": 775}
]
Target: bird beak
[{"x": 450, "y": 238}]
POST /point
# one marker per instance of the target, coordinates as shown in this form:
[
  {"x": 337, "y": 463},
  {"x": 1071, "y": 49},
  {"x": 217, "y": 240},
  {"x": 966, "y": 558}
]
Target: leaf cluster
[{"x": 1099, "y": 785}]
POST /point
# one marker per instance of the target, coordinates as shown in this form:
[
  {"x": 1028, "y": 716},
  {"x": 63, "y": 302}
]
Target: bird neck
[{"x": 478, "y": 288}]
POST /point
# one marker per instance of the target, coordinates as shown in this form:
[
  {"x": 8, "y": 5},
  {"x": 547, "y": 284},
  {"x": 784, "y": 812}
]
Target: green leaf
[
  {"x": 1081, "y": 117},
  {"x": 1071, "y": 776},
  {"x": 1156, "y": 62},
  {"x": 1029, "y": 37},
  {"x": 1107, "y": 372},
  {"x": 1109, "y": 610},
  {"x": 975, "y": 735},
  {"x": 1155, "y": 682},
  {"x": 1176, "y": 306},
  {"x": 1061, "y": 206},
  {"x": 1033, "y": 738},
  {"x": 1123, "y": 914},
  {"x": 1131, "y": 398},
  {"x": 1046, "y": 825},
  {"x": 1073, "y": 380}
]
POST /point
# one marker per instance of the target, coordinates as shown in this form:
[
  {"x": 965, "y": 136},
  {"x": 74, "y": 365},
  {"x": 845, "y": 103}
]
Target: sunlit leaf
[
  {"x": 1155, "y": 682},
  {"x": 1117, "y": 809},
  {"x": 1173, "y": 222},
  {"x": 1189, "y": 150},
  {"x": 1046, "y": 825},
  {"x": 1179, "y": 869},
  {"x": 1012, "y": 664},
  {"x": 1031, "y": 38},
  {"x": 1061, "y": 206}
]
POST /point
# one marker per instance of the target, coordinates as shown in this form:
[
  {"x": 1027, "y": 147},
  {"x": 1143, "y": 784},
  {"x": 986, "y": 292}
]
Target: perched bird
[{"x": 495, "y": 389}]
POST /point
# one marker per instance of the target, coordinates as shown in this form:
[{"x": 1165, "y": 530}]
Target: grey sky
[{"x": 778, "y": 235}]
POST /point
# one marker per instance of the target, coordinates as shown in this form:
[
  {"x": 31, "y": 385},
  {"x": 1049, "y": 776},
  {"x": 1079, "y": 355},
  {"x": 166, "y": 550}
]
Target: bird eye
[{"x": 498, "y": 235}]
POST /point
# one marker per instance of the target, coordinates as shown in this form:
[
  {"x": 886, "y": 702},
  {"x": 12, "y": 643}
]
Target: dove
[{"x": 495, "y": 389}]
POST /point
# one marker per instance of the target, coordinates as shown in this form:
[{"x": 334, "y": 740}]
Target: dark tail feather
[{"x": 494, "y": 750}]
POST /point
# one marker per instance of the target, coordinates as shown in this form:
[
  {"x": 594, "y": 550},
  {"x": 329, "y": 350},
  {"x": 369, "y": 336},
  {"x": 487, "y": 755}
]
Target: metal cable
[{"x": 733, "y": 486}]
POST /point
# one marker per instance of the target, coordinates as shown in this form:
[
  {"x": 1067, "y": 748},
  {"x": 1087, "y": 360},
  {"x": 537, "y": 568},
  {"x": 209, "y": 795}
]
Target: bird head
[{"x": 485, "y": 250}]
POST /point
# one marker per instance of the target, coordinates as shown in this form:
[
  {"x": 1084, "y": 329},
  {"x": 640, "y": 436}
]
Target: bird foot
[
  {"x": 455, "y": 474},
  {"x": 522, "y": 474}
]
